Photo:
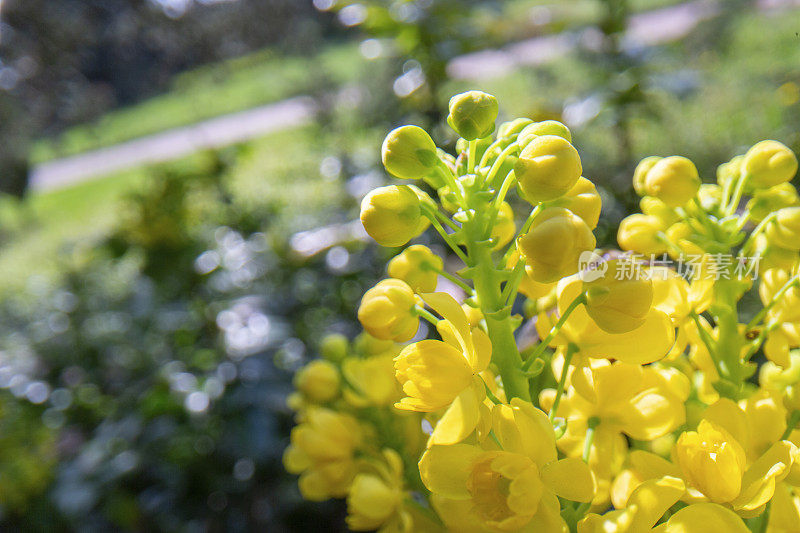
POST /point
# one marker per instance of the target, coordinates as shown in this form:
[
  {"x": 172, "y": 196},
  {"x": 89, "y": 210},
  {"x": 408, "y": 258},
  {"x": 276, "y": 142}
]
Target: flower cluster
[{"x": 639, "y": 405}]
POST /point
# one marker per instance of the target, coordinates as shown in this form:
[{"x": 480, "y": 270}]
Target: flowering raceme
[{"x": 526, "y": 381}]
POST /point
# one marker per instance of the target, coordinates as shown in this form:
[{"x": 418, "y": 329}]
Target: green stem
[
  {"x": 427, "y": 315},
  {"x": 471, "y": 149},
  {"x": 512, "y": 285},
  {"x": 571, "y": 349},
  {"x": 791, "y": 425},
  {"x": 737, "y": 193},
  {"x": 505, "y": 353},
  {"x": 792, "y": 282},
  {"x": 498, "y": 163},
  {"x": 591, "y": 424},
  {"x": 490, "y": 394},
  {"x": 455, "y": 279},
  {"x": 756, "y": 231},
  {"x": 537, "y": 352},
  {"x": 450, "y": 179},
  {"x": 446, "y": 236},
  {"x": 707, "y": 340}
]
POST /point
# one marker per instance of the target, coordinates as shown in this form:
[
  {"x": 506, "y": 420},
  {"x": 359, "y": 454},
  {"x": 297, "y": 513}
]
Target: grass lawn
[{"x": 277, "y": 174}]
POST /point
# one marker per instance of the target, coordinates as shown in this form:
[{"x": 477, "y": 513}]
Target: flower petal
[
  {"x": 459, "y": 420},
  {"x": 445, "y": 469},
  {"x": 704, "y": 517},
  {"x": 569, "y": 478}
]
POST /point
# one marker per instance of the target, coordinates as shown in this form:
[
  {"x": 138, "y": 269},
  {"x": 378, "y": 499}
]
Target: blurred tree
[
  {"x": 64, "y": 62},
  {"x": 426, "y": 33}
]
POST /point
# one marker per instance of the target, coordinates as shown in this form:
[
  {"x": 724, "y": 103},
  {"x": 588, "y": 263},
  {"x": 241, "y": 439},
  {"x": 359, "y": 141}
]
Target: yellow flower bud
[
  {"x": 712, "y": 461},
  {"x": 709, "y": 195},
  {"x": 375, "y": 498},
  {"x": 618, "y": 305},
  {"x": 508, "y": 130},
  {"x": 418, "y": 266},
  {"x": 408, "y": 152},
  {"x": 650, "y": 205},
  {"x": 548, "y": 167},
  {"x": 392, "y": 215},
  {"x": 432, "y": 373},
  {"x": 673, "y": 180},
  {"x": 583, "y": 200},
  {"x": 504, "y": 228},
  {"x": 765, "y": 201},
  {"x": 679, "y": 234},
  {"x": 546, "y": 127},
  {"x": 319, "y": 381},
  {"x": 769, "y": 163},
  {"x": 334, "y": 347},
  {"x": 554, "y": 244},
  {"x": 638, "y": 233},
  {"x": 472, "y": 114},
  {"x": 387, "y": 311},
  {"x": 727, "y": 172},
  {"x": 641, "y": 171},
  {"x": 784, "y": 230},
  {"x": 321, "y": 451},
  {"x": 366, "y": 344}
]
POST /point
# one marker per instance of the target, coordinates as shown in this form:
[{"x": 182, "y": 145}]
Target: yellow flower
[
  {"x": 515, "y": 489},
  {"x": 554, "y": 244},
  {"x": 640, "y": 233},
  {"x": 649, "y": 342},
  {"x": 619, "y": 304},
  {"x": 615, "y": 399},
  {"x": 729, "y": 171},
  {"x": 769, "y": 163},
  {"x": 673, "y": 180},
  {"x": 418, "y": 266},
  {"x": 321, "y": 451},
  {"x": 648, "y": 503},
  {"x": 387, "y": 311},
  {"x": 408, "y": 152},
  {"x": 766, "y": 201},
  {"x": 472, "y": 114},
  {"x": 712, "y": 462},
  {"x": 392, "y": 215},
  {"x": 545, "y": 127},
  {"x": 583, "y": 200},
  {"x": 734, "y": 458},
  {"x": 438, "y": 375},
  {"x": 784, "y": 230},
  {"x": 641, "y": 171},
  {"x": 504, "y": 228},
  {"x": 650, "y": 205},
  {"x": 318, "y": 381},
  {"x": 548, "y": 167},
  {"x": 372, "y": 381},
  {"x": 376, "y": 497},
  {"x": 334, "y": 347}
]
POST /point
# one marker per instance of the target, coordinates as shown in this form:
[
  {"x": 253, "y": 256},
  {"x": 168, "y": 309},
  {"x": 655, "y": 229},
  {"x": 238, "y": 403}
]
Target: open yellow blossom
[
  {"x": 648, "y": 503},
  {"x": 735, "y": 458},
  {"x": 613, "y": 400},
  {"x": 438, "y": 375},
  {"x": 649, "y": 342},
  {"x": 513, "y": 489}
]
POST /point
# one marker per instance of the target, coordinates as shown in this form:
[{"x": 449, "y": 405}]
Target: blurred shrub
[{"x": 156, "y": 373}]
